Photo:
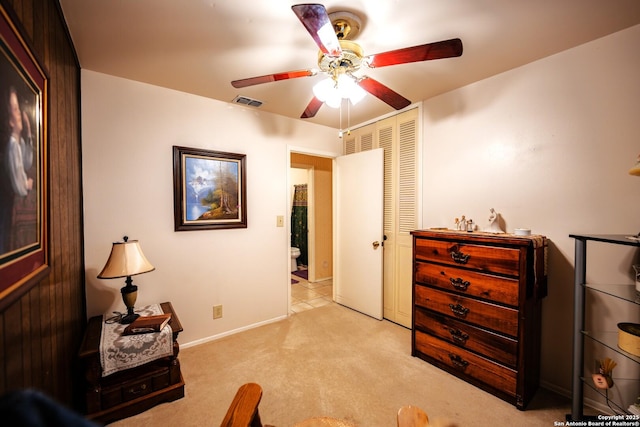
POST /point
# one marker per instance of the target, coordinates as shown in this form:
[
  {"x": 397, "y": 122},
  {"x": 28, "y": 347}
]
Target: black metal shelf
[
  {"x": 623, "y": 292},
  {"x": 608, "y": 339}
]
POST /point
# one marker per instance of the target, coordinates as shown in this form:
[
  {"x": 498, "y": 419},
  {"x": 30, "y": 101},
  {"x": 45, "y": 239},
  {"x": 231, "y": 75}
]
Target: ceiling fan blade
[
  {"x": 312, "y": 108},
  {"x": 316, "y": 20},
  {"x": 382, "y": 92},
  {"x": 272, "y": 78},
  {"x": 438, "y": 50}
]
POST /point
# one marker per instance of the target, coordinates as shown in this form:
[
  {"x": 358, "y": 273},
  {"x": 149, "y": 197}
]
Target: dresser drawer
[
  {"x": 466, "y": 363},
  {"x": 491, "y": 345},
  {"x": 500, "y": 260},
  {"x": 491, "y": 316},
  {"x": 490, "y": 287}
]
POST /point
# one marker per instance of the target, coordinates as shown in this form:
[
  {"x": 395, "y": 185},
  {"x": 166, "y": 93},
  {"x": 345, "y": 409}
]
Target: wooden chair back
[{"x": 243, "y": 411}]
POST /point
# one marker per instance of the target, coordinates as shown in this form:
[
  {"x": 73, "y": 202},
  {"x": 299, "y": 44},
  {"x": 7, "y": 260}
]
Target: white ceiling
[{"x": 200, "y": 46}]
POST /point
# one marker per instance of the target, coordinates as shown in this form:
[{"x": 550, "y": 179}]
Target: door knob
[{"x": 376, "y": 244}]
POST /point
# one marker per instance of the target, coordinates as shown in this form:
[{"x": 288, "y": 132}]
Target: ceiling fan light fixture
[
  {"x": 349, "y": 89},
  {"x": 331, "y": 91},
  {"x": 334, "y": 100},
  {"x": 323, "y": 89}
]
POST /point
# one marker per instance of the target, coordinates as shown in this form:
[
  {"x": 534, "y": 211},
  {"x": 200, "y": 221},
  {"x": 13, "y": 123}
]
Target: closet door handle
[{"x": 376, "y": 245}]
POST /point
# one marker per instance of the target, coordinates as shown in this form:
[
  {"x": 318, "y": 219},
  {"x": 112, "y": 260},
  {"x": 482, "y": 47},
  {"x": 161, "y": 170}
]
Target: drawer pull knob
[
  {"x": 142, "y": 388},
  {"x": 458, "y": 361},
  {"x": 459, "y": 257},
  {"x": 460, "y": 284},
  {"x": 459, "y": 336},
  {"x": 459, "y": 310}
]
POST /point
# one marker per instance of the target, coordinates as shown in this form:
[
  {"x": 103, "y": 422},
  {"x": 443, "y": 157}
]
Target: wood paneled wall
[{"x": 40, "y": 332}]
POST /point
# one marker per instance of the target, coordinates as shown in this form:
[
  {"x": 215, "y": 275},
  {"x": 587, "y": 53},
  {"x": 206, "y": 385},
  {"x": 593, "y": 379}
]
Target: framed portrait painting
[
  {"x": 209, "y": 189},
  {"x": 23, "y": 154}
]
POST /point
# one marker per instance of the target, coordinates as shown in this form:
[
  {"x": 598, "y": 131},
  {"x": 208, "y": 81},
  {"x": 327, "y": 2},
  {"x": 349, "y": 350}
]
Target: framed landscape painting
[
  {"x": 209, "y": 189},
  {"x": 23, "y": 153}
]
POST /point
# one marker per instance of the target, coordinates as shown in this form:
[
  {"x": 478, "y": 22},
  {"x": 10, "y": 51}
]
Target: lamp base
[
  {"x": 128, "y": 318},
  {"x": 129, "y": 296}
]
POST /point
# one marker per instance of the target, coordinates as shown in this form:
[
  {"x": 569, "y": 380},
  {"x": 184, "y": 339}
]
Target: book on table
[{"x": 147, "y": 324}]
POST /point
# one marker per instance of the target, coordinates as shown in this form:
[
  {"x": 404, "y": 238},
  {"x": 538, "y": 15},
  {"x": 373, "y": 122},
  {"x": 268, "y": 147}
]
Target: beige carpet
[{"x": 332, "y": 361}]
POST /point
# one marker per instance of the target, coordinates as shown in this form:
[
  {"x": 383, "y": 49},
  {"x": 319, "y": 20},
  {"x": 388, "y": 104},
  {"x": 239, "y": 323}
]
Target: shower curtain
[{"x": 299, "y": 223}]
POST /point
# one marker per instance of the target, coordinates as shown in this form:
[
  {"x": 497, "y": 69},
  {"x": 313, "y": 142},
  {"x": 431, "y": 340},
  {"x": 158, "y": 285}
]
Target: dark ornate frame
[
  {"x": 25, "y": 263},
  {"x": 223, "y": 175}
]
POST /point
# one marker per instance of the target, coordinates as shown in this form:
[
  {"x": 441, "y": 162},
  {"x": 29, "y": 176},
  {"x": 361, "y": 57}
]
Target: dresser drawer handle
[
  {"x": 458, "y": 361},
  {"x": 459, "y": 310},
  {"x": 142, "y": 388},
  {"x": 459, "y": 257},
  {"x": 460, "y": 284},
  {"x": 458, "y": 336}
]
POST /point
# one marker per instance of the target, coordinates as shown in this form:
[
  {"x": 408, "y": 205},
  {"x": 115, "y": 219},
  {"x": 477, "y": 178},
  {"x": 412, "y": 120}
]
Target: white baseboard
[
  {"x": 231, "y": 332},
  {"x": 599, "y": 407}
]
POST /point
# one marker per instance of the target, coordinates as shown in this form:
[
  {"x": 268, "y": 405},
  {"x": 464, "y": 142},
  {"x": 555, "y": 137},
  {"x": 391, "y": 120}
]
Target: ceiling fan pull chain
[
  {"x": 341, "y": 118},
  {"x": 348, "y": 116}
]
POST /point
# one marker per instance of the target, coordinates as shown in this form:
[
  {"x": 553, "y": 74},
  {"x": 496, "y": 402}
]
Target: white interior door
[{"x": 358, "y": 189}]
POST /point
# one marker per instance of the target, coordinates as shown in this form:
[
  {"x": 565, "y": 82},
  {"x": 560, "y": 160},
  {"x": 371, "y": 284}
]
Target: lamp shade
[{"x": 126, "y": 259}]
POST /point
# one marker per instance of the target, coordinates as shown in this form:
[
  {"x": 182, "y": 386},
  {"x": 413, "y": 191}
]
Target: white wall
[
  {"x": 549, "y": 146},
  {"x": 128, "y": 130}
]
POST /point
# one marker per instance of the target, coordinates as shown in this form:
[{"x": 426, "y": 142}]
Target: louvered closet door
[
  {"x": 398, "y": 136},
  {"x": 407, "y": 214},
  {"x": 361, "y": 139}
]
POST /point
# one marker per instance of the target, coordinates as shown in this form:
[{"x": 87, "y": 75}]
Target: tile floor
[{"x": 306, "y": 295}]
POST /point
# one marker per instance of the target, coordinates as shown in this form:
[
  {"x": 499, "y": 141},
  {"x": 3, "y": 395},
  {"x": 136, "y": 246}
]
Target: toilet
[{"x": 295, "y": 253}]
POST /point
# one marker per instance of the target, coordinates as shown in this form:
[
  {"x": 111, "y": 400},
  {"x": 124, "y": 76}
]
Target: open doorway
[{"x": 311, "y": 257}]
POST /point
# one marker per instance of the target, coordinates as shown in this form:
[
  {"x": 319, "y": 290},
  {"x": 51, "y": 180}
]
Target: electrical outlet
[{"x": 217, "y": 311}]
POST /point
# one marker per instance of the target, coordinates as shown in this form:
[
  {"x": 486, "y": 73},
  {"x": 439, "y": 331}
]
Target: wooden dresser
[{"x": 477, "y": 308}]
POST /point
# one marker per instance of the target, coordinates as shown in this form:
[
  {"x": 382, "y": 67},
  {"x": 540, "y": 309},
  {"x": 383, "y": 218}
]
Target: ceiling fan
[{"x": 341, "y": 59}]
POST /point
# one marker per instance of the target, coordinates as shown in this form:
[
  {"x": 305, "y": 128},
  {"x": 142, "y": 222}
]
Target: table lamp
[{"x": 126, "y": 260}]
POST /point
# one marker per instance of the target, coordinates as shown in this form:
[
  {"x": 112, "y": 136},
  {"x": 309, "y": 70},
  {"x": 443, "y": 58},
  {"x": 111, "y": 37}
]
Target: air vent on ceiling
[{"x": 247, "y": 101}]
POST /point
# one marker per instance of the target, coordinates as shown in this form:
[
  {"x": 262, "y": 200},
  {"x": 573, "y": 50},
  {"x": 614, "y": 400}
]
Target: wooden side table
[{"x": 134, "y": 390}]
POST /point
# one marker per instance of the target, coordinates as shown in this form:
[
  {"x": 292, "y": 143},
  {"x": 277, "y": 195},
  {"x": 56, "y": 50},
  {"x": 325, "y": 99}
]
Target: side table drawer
[
  {"x": 136, "y": 389},
  {"x": 120, "y": 393},
  {"x": 134, "y": 383}
]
